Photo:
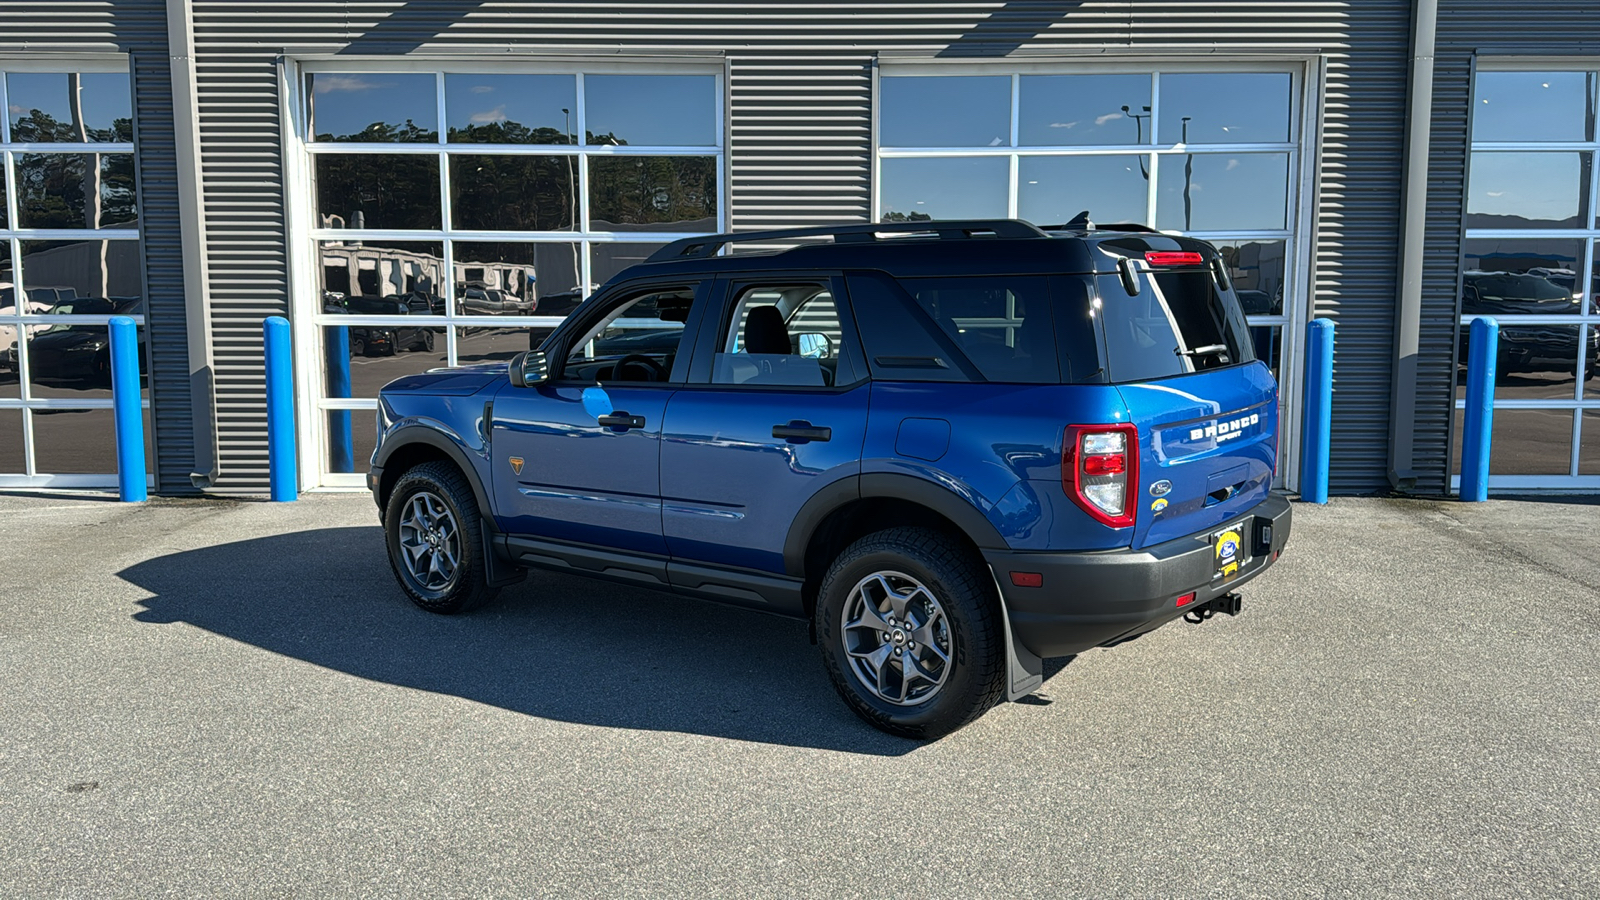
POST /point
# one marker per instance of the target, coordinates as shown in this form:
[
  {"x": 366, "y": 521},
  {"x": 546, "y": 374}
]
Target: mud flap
[
  {"x": 1024, "y": 671},
  {"x": 497, "y": 570}
]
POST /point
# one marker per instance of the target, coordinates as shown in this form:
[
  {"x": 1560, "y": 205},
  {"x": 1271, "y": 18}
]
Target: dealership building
[{"x": 418, "y": 184}]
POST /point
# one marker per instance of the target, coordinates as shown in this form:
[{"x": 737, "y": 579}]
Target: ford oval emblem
[{"x": 1161, "y": 488}]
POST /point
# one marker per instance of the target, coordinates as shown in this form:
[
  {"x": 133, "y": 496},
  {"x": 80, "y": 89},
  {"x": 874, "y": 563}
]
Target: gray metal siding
[
  {"x": 800, "y": 144},
  {"x": 137, "y": 28},
  {"x": 1466, "y": 28}
]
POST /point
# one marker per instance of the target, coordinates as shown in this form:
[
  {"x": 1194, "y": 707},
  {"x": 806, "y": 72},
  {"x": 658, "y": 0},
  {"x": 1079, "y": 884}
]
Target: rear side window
[
  {"x": 1001, "y": 323},
  {"x": 1178, "y": 323}
]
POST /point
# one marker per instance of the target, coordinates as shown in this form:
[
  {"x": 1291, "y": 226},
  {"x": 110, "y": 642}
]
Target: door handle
[
  {"x": 801, "y": 432},
  {"x": 621, "y": 421}
]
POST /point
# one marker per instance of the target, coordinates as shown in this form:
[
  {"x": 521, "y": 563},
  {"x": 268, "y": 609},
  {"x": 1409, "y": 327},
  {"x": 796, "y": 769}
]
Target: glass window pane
[
  {"x": 1534, "y": 362},
  {"x": 513, "y": 193},
  {"x": 69, "y": 108},
  {"x": 67, "y": 190},
  {"x": 1533, "y": 106},
  {"x": 1539, "y": 293},
  {"x": 476, "y": 345},
  {"x": 1223, "y": 192},
  {"x": 944, "y": 111},
  {"x": 1074, "y": 110},
  {"x": 651, "y": 110},
  {"x": 1591, "y": 300},
  {"x": 1256, "y": 269},
  {"x": 914, "y": 190},
  {"x": 653, "y": 193},
  {"x": 356, "y": 274},
  {"x": 357, "y": 360},
  {"x": 1239, "y": 108},
  {"x": 10, "y": 374},
  {"x": 352, "y": 436},
  {"x": 1002, "y": 323},
  {"x": 1555, "y": 261},
  {"x": 80, "y": 441},
  {"x": 11, "y": 446},
  {"x": 374, "y": 107},
  {"x": 1591, "y": 364},
  {"x": 511, "y": 109},
  {"x": 56, "y": 272},
  {"x": 516, "y": 278},
  {"x": 1588, "y": 449},
  {"x": 73, "y": 361},
  {"x": 1053, "y": 189},
  {"x": 1267, "y": 341},
  {"x": 611, "y": 260},
  {"x": 377, "y": 191},
  {"x": 650, "y": 325},
  {"x": 781, "y": 335},
  {"x": 1527, "y": 190}
]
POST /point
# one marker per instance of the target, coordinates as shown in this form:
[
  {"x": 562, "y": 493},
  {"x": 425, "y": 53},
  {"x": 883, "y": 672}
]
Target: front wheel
[
  {"x": 910, "y": 633},
  {"x": 435, "y": 538}
]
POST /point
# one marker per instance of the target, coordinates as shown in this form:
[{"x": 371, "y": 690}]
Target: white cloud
[
  {"x": 328, "y": 84},
  {"x": 482, "y": 88},
  {"x": 1497, "y": 193},
  {"x": 1063, "y": 124},
  {"x": 1232, "y": 164},
  {"x": 498, "y": 114},
  {"x": 1101, "y": 120},
  {"x": 18, "y": 110}
]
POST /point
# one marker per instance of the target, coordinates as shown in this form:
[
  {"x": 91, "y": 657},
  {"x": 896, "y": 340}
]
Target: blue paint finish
[
  {"x": 1196, "y": 431},
  {"x": 580, "y": 481},
  {"x": 923, "y": 438},
  {"x": 1317, "y": 430},
  {"x": 1483, "y": 343},
  {"x": 730, "y": 490},
  {"x": 127, "y": 410},
  {"x": 283, "y": 477}
]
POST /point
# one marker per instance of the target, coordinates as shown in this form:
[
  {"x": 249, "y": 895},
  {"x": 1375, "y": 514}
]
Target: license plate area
[{"x": 1230, "y": 550}]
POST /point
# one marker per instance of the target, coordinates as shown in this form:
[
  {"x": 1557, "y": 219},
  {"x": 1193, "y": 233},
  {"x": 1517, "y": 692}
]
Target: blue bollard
[
  {"x": 282, "y": 475},
  {"x": 341, "y": 444},
  {"x": 127, "y": 410},
  {"x": 1317, "y": 433},
  {"x": 1483, "y": 343}
]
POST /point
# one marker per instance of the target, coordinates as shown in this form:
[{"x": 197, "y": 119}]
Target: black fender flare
[
  {"x": 921, "y": 491},
  {"x": 409, "y": 435}
]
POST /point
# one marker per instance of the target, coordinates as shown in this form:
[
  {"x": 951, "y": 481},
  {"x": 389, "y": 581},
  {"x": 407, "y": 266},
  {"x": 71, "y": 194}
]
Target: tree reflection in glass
[
  {"x": 653, "y": 193},
  {"x": 73, "y": 190}
]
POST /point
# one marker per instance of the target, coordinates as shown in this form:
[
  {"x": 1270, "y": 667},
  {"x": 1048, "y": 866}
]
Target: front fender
[{"x": 472, "y": 460}]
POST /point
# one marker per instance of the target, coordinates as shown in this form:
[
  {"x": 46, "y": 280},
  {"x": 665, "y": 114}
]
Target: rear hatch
[{"x": 1179, "y": 352}]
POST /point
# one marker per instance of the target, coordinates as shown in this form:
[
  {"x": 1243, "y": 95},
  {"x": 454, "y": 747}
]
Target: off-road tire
[
  {"x": 965, "y": 590},
  {"x": 468, "y": 588}
]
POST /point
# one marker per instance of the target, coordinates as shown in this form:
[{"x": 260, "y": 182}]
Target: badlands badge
[
  {"x": 516, "y": 464},
  {"x": 1228, "y": 549}
]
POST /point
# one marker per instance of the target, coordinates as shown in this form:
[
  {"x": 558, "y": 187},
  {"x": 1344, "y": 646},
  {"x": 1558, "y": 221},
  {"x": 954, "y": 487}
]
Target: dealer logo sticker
[
  {"x": 516, "y": 464},
  {"x": 1161, "y": 488},
  {"x": 1228, "y": 553}
]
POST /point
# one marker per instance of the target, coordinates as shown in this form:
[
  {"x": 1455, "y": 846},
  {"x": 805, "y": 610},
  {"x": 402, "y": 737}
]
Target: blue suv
[{"x": 955, "y": 448}]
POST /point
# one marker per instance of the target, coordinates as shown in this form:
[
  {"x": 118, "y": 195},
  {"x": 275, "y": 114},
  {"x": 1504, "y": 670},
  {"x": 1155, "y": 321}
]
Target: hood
[
  {"x": 459, "y": 382},
  {"x": 72, "y": 337}
]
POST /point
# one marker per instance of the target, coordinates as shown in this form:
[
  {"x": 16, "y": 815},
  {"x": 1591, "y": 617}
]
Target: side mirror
[
  {"x": 813, "y": 345},
  {"x": 529, "y": 368}
]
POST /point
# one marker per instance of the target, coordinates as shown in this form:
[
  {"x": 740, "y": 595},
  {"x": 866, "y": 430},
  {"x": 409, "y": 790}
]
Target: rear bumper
[{"x": 1091, "y": 599}]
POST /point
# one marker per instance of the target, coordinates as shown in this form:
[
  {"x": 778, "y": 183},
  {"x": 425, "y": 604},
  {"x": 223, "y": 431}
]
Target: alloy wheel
[
  {"x": 430, "y": 541},
  {"x": 897, "y": 638}
]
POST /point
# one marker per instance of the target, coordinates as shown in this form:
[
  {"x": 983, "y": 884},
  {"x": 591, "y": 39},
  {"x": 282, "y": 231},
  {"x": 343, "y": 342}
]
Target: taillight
[
  {"x": 1100, "y": 471},
  {"x": 1173, "y": 258}
]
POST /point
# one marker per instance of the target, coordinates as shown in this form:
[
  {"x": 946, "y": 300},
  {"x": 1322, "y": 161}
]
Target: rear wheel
[
  {"x": 435, "y": 539},
  {"x": 910, "y": 632}
]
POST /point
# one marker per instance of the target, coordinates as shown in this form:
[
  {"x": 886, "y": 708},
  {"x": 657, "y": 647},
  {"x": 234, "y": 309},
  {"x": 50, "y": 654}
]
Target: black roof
[{"x": 911, "y": 249}]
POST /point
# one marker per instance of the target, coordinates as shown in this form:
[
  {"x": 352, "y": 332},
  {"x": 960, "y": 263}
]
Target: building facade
[{"x": 416, "y": 184}]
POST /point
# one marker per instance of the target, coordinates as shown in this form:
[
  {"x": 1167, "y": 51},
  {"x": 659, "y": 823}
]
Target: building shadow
[{"x": 556, "y": 647}]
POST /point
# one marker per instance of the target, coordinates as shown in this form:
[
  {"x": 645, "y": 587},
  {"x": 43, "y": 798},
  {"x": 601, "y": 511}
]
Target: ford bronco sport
[{"x": 956, "y": 448}]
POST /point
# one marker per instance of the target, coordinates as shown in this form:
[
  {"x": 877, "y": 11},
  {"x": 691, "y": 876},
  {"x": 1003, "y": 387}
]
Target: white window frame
[
  {"x": 12, "y": 237},
  {"x": 1590, "y": 241},
  {"x": 305, "y": 272},
  {"x": 1298, "y": 236}
]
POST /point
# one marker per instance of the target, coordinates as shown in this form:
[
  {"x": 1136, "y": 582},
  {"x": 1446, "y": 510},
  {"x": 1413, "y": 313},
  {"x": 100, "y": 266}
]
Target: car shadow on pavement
[{"x": 556, "y": 646}]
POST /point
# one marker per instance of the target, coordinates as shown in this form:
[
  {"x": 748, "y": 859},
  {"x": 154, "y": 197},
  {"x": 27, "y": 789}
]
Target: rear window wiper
[{"x": 1219, "y": 349}]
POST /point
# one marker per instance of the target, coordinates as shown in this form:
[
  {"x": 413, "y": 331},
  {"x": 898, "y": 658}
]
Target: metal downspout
[
  {"x": 191, "y": 218},
  {"x": 1413, "y": 230}
]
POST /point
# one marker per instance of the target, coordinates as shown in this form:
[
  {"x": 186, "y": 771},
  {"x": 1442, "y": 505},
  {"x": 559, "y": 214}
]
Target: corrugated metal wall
[
  {"x": 1466, "y": 27},
  {"x": 139, "y": 29},
  {"x": 800, "y": 133}
]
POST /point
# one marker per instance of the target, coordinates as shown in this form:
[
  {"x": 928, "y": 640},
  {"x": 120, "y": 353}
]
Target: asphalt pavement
[{"x": 217, "y": 698}]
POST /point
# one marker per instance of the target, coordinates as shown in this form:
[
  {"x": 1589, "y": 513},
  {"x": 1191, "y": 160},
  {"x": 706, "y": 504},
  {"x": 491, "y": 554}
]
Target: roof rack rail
[{"x": 957, "y": 229}]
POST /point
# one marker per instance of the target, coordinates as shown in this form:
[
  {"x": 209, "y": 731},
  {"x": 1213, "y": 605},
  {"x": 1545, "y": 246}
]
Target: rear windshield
[
  {"x": 1178, "y": 323},
  {"x": 1002, "y": 324}
]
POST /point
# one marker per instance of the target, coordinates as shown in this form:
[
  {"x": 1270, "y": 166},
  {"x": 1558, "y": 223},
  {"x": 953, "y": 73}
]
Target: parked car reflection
[
  {"x": 82, "y": 353},
  {"x": 382, "y": 340},
  {"x": 1533, "y": 347}
]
